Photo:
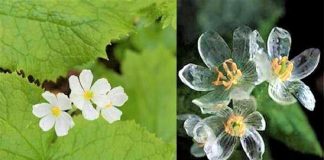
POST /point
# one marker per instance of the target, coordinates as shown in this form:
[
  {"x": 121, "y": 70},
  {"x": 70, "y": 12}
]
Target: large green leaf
[
  {"x": 287, "y": 124},
  {"x": 21, "y": 138},
  {"x": 47, "y": 38},
  {"x": 149, "y": 79}
]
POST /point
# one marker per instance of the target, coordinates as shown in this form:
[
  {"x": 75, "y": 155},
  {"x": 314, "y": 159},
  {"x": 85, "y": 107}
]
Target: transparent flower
[
  {"x": 108, "y": 105},
  {"x": 53, "y": 113},
  {"x": 230, "y": 74},
  {"x": 282, "y": 74},
  {"x": 219, "y": 134},
  {"x": 83, "y": 94}
]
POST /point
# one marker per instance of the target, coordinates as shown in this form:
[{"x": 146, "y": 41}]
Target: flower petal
[
  {"x": 280, "y": 94},
  {"x": 111, "y": 114},
  {"x": 216, "y": 122},
  {"x": 197, "y": 77},
  {"x": 75, "y": 85},
  {"x": 213, "y": 49},
  {"x": 41, "y": 110},
  {"x": 47, "y": 122},
  {"x": 190, "y": 124},
  {"x": 86, "y": 78},
  {"x": 100, "y": 100},
  {"x": 222, "y": 147},
  {"x": 257, "y": 45},
  {"x": 305, "y": 63},
  {"x": 255, "y": 120},
  {"x": 279, "y": 43},
  {"x": 244, "y": 107},
  {"x": 302, "y": 92},
  {"x": 101, "y": 86},
  {"x": 64, "y": 101},
  {"x": 241, "y": 45},
  {"x": 89, "y": 113},
  {"x": 197, "y": 151},
  {"x": 63, "y": 124},
  {"x": 249, "y": 72},
  {"x": 263, "y": 67},
  {"x": 78, "y": 100},
  {"x": 252, "y": 144},
  {"x": 242, "y": 91},
  {"x": 50, "y": 97},
  {"x": 117, "y": 96},
  {"x": 202, "y": 132},
  {"x": 213, "y": 101}
]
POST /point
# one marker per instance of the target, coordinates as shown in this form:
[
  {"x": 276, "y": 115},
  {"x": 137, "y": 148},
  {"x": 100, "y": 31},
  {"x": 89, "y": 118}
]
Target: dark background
[{"x": 304, "y": 21}]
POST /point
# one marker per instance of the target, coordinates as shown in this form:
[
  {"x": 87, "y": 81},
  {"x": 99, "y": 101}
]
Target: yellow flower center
[
  {"x": 88, "y": 95},
  {"x": 56, "y": 111},
  {"x": 282, "y": 68},
  {"x": 233, "y": 74},
  {"x": 235, "y": 126},
  {"x": 109, "y": 105}
]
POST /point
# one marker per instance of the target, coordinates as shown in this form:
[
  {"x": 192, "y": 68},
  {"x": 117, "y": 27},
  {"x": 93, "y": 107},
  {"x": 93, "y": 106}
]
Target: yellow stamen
[
  {"x": 282, "y": 68},
  {"x": 88, "y": 95},
  {"x": 233, "y": 74},
  {"x": 56, "y": 111},
  {"x": 235, "y": 126}
]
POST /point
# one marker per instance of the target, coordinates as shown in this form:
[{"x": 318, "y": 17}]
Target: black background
[{"x": 304, "y": 21}]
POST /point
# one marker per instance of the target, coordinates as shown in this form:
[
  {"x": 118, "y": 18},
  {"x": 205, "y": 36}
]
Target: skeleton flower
[
  {"x": 108, "y": 105},
  {"x": 52, "y": 113},
  {"x": 220, "y": 133},
  {"x": 83, "y": 94},
  {"x": 230, "y": 74},
  {"x": 282, "y": 74}
]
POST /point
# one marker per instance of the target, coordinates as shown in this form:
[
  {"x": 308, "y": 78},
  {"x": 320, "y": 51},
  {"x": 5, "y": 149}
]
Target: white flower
[
  {"x": 52, "y": 113},
  {"x": 108, "y": 105},
  {"x": 83, "y": 94}
]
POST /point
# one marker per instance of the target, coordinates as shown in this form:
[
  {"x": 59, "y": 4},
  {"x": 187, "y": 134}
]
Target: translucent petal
[
  {"x": 257, "y": 45},
  {"x": 63, "y": 101},
  {"x": 216, "y": 122},
  {"x": 222, "y": 147},
  {"x": 279, "y": 43},
  {"x": 279, "y": 93},
  {"x": 197, "y": 151},
  {"x": 263, "y": 67},
  {"x": 197, "y": 77},
  {"x": 213, "y": 49},
  {"x": 249, "y": 72},
  {"x": 252, "y": 144},
  {"x": 302, "y": 93},
  {"x": 305, "y": 63},
  {"x": 241, "y": 44},
  {"x": 86, "y": 78},
  {"x": 242, "y": 91},
  {"x": 117, "y": 96},
  {"x": 50, "y": 97},
  {"x": 255, "y": 120},
  {"x": 101, "y": 86},
  {"x": 244, "y": 107},
  {"x": 213, "y": 101},
  {"x": 190, "y": 124},
  {"x": 202, "y": 132},
  {"x": 41, "y": 110}
]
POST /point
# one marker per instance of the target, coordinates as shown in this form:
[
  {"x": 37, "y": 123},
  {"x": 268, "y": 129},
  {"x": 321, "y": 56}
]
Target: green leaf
[
  {"x": 40, "y": 37},
  {"x": 150, "y": 82},
  {"x": 21, "y": 137},
  {"x": 287, "y": 124}
]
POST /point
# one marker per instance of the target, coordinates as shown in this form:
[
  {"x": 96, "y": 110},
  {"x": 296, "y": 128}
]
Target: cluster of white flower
[
  {"x": 83, "y": 96},
  {"x": 231, "y": 75}
]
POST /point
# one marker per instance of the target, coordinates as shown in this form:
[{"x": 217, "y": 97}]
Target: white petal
[
  {"x": 252, "y": 144},
  {"x": 244, "y": 107},
  {"x": 41, "y": 110},
  {"x": 279, "y": 93},
  {"x": 279, "y": 43},
  {"x": 50, "y": 97},
  {"x": 86, "y": 78},
  {"x": 75, "y": 85},
  {"x": 100, "y": 100},
  {"x": 47, "y": 122},
  {"x": 263, "y": 67},
  {"x": 222, "y": 147},
  {"x": 89, "y": 113},
  {"x": 302, "y": 93},
  {"x": 101, "y": 86},
  {"x": 197, "y": 77},
  {"x": 78, "y": 100},
  {"x": 111, "y": 114},
  {"x": 64, "y": 101},
  {"x": 257, "y": 45},
  {"x": 63, "y": 124},
  {"x": 190, "y": 124},
  {"x": 117, "y": 96},
  {"x": 256, "y": 120},
  {"x": 305, "y": 63},
  {"x": 197, "y": 151}
]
